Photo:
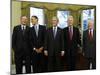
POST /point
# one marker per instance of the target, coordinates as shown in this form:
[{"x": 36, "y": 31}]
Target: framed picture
[{"x": 52, "y": 37}]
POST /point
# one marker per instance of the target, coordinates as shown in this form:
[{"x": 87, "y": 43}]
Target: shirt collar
[
  {"x": 36, "y": 25},
  {"x": 70, "y": 26},
  {"x": 54, "y": 27},
  {"x": 23, "y": 26},
  {"x": 91, "y": 29}
]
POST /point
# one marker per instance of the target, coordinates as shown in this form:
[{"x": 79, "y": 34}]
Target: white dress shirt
[
  {"x": 23, "y": 27},
  {"x": 91, "y": 32}
]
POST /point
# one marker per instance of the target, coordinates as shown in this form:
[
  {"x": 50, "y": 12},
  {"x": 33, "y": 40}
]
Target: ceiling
[{"x": 53, "y": 6}]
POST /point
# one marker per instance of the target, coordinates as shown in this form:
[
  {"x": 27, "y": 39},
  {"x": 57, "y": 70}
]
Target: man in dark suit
[
  {"x": 89, "y": 44},
  {"x": 20, "y": 44},
  {"x": 71, "y": 43},
  {"x": 54, "y": 46},
  {"x": 37, "y": 37}
]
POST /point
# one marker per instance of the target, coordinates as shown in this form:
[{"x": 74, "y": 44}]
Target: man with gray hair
[
  {"x": 21, "y": 47},
  {"x": 89, "y": 44},
  {"x": 72, "y": 41},
  {"x": 54, "y": 46}
]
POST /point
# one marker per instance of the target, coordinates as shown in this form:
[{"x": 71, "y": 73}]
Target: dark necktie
[
  {"x": 70, "y": 33},
  {"x": 23, "y": 30},
  {"x": 90, "y": 35}
]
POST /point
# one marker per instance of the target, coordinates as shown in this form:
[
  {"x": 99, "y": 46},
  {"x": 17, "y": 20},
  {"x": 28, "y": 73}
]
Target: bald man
[
  {"x": 20, "y": 44},
  {"x": 54, "y": 46},
  {"x": 72, "y": 41},
  {"x": 89, "y": 44}
]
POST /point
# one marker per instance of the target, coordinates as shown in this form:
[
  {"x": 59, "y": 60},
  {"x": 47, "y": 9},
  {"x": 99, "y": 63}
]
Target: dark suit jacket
[
  {"x": 37, "y": 42},
  {"x": 89, "y": 47},
  {"x": 71, "y": 47},
  {"x": 20, "y": 42},
  {"x": 54, "y": 46}
]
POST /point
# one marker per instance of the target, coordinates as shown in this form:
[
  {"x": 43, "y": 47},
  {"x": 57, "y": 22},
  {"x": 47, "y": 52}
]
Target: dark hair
[{"x": 35, "y": 17}]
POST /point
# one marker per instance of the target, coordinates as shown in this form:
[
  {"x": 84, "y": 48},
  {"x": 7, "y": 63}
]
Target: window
[
  {"x": 39, "y": 13},
  {"x": 63, "y": 16},
  {"x": 86, "y": 15}
]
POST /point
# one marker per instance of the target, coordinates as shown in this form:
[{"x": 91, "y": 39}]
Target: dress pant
[
  {"x": 91, "y": 61},
  {"x": 71, "y": 63},
  {"x": 37, "y": 62},
  {"x": 19, "y": 58},
  {"x": 45, "y": 63},
  {"x": 54, "y": 63}
]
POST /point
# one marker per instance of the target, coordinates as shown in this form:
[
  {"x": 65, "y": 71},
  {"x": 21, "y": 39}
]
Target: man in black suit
[
  {"x": 37, "y": 37},
  {"x": 71, "y": 43},
  {"x": 54, "y": 46},
  {"x": 20, "y": 44},
  {"x": 89, "y": 44}
]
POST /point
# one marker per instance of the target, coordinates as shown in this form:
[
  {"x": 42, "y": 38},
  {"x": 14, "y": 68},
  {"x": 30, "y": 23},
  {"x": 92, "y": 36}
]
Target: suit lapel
[
  {"x": 20, "y": 29},
  {"x": 26, "y": 29},
  {"x": 33, "y": 31},
  {"x": 57, "y": 32},
  {"x": 52, "y": 33},
  {"x": 87, "y": 34},
  {"x": 67, "y": 32},
  {"x": 39, "y": 31},
  {"x": 74, "y": 32},
  {"x": 94, "y": 35}
]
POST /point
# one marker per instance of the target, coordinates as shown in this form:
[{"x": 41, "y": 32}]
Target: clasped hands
[{"x": 38, "y": 50}]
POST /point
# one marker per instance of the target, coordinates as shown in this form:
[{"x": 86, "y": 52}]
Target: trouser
[
  {"x": 93, "y": 62},
  {"x": 71, "y": 63},
  {"x": 54, "y": 63},
  {"x": 45, "y": 63},
  {"x": 19, "y": 63},
  {"x": 38, "y": 62}
]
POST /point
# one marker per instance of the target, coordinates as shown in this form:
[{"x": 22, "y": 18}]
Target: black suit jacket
[
  {"x": 20, "y": 42},
  {"x": 54, "y": 46},
  {"x": 89, "y": 47},
  {"x": 71, "y": 47},
  {"x": 37, "y": 42}
]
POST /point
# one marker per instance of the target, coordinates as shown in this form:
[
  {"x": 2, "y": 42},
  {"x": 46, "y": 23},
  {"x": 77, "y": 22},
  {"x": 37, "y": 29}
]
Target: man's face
[
  {"x": 70, "y": 21},
  {"x": 24, "y": 20},
  {"x": 34, "y": 21},
  {"x": 90, "y": 25},
  {"x": 54, "y": 21}
]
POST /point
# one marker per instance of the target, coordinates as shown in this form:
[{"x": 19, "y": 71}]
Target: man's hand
[
  {"x": 62, "y": 53},
  {"x": 37, "y": 50},
  {"x": 80, "y": 50},
  {"x": 83, "y": 54},
  {"x": 40, "y": 49},
  {"x": 45, "y": 52}
]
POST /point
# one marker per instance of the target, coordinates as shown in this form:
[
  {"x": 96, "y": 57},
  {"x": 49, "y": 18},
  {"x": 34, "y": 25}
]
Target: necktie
[
  {"x": 36, "y": 30},
  {"x": 54, "y": 32},
  {"x": 23, "y": 28},
  {"x": 90, "y": 35},
  {"x": 70, "y": 33}
]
